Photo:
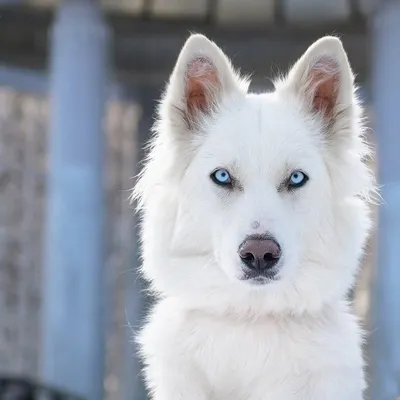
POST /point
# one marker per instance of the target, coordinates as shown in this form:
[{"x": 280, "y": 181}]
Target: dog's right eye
[
  {"x": 221, "y": 177},
  {"x": 297, "y": 179}
]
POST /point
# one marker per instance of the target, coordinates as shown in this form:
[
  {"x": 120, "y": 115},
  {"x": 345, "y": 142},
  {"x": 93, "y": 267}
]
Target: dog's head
[{"x": 256, "y": 202}]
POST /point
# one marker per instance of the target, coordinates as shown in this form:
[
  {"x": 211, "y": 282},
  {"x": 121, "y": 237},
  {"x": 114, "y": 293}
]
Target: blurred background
[{"x": 79, "y": 80}]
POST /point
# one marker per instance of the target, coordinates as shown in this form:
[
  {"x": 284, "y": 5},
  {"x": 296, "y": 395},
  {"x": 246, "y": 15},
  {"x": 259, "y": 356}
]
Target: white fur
[{"x": 212, "y": 336}]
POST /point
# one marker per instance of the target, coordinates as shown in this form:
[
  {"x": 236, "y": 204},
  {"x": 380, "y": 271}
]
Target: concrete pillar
[
  {"x": 385, "y": 329},
  {"x": 73, "y": 326}
]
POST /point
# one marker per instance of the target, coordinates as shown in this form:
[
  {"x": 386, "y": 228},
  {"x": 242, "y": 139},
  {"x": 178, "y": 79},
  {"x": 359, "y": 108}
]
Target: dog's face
[
  {"x": 257, "y": 193},
  {"x": 256, "y": 198}
]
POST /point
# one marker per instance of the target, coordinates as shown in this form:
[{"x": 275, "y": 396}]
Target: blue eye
[
  {"x": 221, "y": 177},
  {"x": 297, "y": 179}
]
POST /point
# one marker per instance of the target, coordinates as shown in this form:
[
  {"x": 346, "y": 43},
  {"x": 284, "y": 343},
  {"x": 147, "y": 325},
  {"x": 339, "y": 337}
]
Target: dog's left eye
[
  {"x": 297, "y": 179},
  {"x": 221, "y": 177}
]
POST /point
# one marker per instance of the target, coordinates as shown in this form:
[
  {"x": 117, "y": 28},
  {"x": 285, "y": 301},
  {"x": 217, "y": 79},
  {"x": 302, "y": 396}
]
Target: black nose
[{"x": 260, "y": 253}]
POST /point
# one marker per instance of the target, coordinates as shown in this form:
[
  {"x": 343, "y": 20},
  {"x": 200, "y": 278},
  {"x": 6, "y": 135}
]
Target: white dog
[{"x": 255, "y": 214}]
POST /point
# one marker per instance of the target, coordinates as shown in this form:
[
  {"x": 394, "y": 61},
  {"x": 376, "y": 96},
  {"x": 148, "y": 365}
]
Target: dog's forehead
[{"x": 262, "y": 126}]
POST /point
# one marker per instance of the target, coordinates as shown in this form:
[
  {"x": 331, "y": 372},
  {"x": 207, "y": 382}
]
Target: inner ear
[
  {"x": 323, "y": 83},
  {"x": 202, "y": 86}
]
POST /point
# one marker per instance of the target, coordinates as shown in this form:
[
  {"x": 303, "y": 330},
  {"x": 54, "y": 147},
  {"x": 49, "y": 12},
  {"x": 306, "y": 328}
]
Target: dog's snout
[{"x": 260, "y": 252}]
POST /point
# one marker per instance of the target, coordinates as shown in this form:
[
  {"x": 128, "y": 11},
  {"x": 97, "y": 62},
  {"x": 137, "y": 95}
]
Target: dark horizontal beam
[{"x": 145, "y": 50}]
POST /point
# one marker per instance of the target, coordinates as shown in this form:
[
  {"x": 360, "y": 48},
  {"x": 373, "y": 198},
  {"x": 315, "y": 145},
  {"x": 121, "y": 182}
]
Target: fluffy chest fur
[{"x": 277, "y": 358}]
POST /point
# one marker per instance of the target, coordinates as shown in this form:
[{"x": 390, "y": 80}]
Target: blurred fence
[{"x": 23, "y": 168}]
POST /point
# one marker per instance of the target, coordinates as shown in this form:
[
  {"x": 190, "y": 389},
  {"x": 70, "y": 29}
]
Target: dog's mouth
[{"x": 260, "y": 277}]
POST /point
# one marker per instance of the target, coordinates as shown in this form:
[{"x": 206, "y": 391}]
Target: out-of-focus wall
[{"x": 23, "y": 169}]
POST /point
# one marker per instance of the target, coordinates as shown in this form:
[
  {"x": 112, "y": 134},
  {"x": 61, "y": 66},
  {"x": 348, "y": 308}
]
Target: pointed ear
[
  {"x": 323, "y": 79},
  {"x": 202, "y": 77}
]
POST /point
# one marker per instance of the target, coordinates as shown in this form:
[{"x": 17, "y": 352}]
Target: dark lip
[{"x": 260, "y": 278}]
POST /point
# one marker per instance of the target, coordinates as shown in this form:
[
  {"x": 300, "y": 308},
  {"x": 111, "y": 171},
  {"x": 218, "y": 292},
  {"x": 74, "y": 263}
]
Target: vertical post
[
  {"x": 73, "y": 328},
  {"x": 136, "y": 301},
  {"x": 385, "y": 340}
]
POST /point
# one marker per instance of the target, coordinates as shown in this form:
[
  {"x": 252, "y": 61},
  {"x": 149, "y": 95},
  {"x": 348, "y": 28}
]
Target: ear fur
[
  {"x": 203, "y": 76},
  {"x": 322, "y": 78}
]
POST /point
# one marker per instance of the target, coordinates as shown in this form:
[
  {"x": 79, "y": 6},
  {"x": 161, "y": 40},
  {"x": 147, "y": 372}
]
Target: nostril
[
  {"x": 268, "y": 257},
  {"x": 248, "y": 257}
]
